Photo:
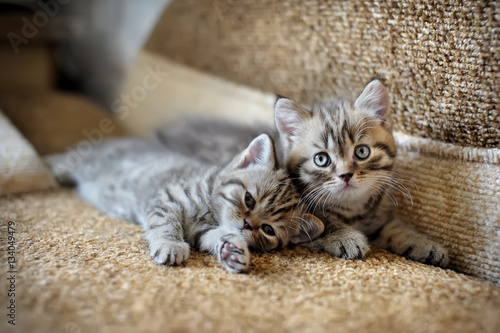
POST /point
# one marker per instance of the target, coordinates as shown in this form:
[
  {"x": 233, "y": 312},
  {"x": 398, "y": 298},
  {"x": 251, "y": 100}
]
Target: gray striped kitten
[
  {"x": 181, "y": 202},
  {"x": 340, "y": 156}
]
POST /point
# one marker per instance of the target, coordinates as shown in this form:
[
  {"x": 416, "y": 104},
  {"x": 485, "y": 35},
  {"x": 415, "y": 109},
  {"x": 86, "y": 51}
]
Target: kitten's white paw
[
  {"x": 234, "y": 255},
  {"x": 426, "y": 251},
  {"x": 167, "y": 252},
  {"x": 346, "y": 243}
]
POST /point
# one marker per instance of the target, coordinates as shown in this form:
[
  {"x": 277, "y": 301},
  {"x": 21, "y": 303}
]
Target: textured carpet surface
[
  {"x": 80, "y": 271},
  {"x": 439, "y": 59}
]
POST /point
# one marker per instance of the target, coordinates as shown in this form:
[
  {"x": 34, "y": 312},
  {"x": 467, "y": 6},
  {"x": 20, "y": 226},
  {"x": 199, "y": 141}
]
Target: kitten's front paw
[
  {"x": 167, "y": 252},
  {"x": 426, "y": 251},
  {"x": 235, "y": 256},
  {"x": 347, "y": 244}
]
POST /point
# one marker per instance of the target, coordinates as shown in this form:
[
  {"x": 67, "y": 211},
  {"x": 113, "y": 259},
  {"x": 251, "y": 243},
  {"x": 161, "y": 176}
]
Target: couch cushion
[
  {"x": 21, "y": 169},
  {"x": 54, "y": 121}
]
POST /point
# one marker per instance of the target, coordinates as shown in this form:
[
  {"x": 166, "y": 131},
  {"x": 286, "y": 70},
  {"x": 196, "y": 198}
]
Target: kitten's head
[
  {"x": 339, "y": 152},
  {"x": 261, "y": 203}
]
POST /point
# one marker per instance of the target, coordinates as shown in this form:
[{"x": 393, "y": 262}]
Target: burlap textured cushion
[
  {"x": 456, "y": 193},
  {"x": 21, "y": 169},
  {"x": 439, "y": 59}
]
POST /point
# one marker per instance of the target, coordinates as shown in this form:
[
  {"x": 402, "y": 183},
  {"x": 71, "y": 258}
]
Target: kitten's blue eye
[
  {"x": 322, "y": 160},
  {"x": 249, "y": 201},
  {"x": 268, "y": 229},
  {"x": 362, "y": 152}
]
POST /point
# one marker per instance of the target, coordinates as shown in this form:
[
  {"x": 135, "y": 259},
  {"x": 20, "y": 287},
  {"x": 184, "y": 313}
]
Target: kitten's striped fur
[
  {"x": 182, "y": 202},
  {"x": 363, "y": 210},
  {"x": 352, "y": 195}
]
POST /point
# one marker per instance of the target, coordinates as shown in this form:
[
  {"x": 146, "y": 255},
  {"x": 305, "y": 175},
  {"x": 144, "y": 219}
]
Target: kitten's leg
[
  {"x": 402, "y": 239},
  {"x": 164, "y": 233},
  {"x": 340, "y": 240},
  {"x": 230, "y": 249}
]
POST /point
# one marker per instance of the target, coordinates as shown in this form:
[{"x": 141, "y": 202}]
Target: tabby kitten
[
  {"x": 340, "y": 156},
  {"x": 181, "y": 202}
]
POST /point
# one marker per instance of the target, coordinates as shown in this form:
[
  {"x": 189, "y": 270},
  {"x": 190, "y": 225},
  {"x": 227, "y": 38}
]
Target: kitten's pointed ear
[
  {"x": 289, "y": 117},
  {"x": 311, "y": 227},
  {"x": 374, "y": 101},
  {"x": 260, "y": 152}
]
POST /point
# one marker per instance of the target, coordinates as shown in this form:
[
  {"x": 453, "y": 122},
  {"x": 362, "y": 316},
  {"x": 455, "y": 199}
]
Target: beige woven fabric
[
  {"x": 79, "y": 271},
  {"x": 439, "y": 59},
  {"x": 456, "y": 192}
]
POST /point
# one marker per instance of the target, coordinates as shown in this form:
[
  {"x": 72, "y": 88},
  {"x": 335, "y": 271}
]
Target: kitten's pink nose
[
  {"x": 246, "y": 225},
  {"x": 346, "y": 177}
]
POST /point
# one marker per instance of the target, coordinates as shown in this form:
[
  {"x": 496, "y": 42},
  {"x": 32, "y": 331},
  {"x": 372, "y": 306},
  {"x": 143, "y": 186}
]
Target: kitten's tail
[{"x": 62, "y": 168}]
